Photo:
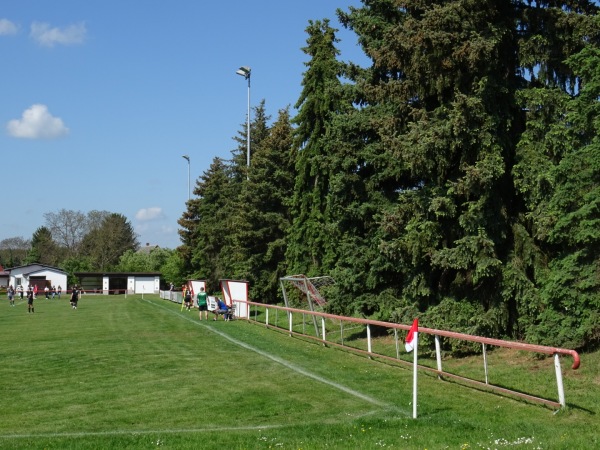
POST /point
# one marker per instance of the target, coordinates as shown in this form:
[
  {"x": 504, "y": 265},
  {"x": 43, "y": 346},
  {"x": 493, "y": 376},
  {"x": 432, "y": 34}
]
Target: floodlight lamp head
[{"x": 244, "y": 71}]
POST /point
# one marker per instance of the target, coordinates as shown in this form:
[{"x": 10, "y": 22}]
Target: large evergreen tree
[
  {"x": 311, "y": 235},
  {"x": 444, "y": 96},
  {"x": 234, "y": 255},
  {"x": 264, "y": 213},
  {"x": 212, "y": 220},
  {"x": 43, "y": 248},
  {"x": 456, "y": 177},
  {"x": 108, "y": 241},
  {"x": 570, "y": 222},
  {"x": 206, "y": 225}
]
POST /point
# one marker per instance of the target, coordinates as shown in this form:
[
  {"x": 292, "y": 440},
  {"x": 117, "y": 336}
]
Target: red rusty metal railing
[{"x": 321, "y": 336}]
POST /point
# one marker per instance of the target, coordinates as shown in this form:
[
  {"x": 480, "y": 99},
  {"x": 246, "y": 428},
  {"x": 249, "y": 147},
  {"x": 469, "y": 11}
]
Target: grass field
[{"x": 140, "y": 373}]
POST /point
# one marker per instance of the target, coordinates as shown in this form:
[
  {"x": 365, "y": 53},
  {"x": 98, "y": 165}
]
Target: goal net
[{"x": 311, "y": 287}]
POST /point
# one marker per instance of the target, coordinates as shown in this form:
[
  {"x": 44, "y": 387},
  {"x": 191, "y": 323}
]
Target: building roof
[
  {"x": 116, "y": 274},
  {"x": 147, "y": 248},
  {"x": 32, "y": 268}
]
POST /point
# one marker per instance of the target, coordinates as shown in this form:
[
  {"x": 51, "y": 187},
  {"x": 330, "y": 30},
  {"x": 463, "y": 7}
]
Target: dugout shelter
[{"x": 119, "y": 282}]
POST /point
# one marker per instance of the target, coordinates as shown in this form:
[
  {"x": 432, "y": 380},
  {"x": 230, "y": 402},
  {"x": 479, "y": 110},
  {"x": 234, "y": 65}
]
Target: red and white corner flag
[
  {"x": 411, "y": 337},
  {"x": 412, "y": 343}
]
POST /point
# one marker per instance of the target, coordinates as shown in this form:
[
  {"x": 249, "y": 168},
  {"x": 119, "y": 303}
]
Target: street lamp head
[
  {"x": 244, "y": 71},
  {"x": 186, "y": 157}
]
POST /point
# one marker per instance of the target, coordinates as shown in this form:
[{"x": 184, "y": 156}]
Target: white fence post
[
  {"x": 438, "y": 335},
  {"x": 438, "y": 354},
  {"x": 559, "y": 380},
  {"x": 485, "y": 365}
]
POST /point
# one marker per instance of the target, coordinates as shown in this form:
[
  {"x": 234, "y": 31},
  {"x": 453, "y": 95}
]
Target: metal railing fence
[{"x": 382, "y": 340}]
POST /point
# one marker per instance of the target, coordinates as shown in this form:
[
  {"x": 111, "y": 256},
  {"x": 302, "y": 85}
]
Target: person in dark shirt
[
  {"x": 201, "y": 298},
  {"x": 188, "y": 299},
  {"x": 30, "y": 297},
  {"x": 74, "y": 297}
]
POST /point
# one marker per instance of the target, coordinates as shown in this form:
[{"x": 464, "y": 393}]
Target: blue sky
[{"x": 101, "y": 98}]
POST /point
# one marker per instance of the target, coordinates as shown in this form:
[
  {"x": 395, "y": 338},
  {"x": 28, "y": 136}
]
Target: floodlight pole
[
  {"x": 187, "y": 158},
  {"x": 245, "y": 71}
]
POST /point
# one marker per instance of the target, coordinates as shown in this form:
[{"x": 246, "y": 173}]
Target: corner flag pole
[
  {"x": 411, "y": 345},
  {"x": 416, "y": 334}
]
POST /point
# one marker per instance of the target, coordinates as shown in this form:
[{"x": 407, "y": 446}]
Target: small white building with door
[
  {"x": 39, "y": 275},
  {"x": 119, "y": 282}
]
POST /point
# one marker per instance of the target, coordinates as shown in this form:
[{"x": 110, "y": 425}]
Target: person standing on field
[
  {"x": 30, "y": 296},
  {"x": 11, "y": 295},
  {"x": 188, "y": 298},
  {"x": 74, "y": 297},
  {"x": 202, "y": 304}
]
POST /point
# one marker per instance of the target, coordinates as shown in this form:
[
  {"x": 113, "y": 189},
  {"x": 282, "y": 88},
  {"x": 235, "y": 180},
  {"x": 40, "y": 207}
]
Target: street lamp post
[
  {"x": 244, "y": 71},
  {"x": 187, "y": 158}
]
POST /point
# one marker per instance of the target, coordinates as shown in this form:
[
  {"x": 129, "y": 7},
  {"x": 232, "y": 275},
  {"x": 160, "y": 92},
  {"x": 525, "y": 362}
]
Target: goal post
[{"x": 310, "y": 287}]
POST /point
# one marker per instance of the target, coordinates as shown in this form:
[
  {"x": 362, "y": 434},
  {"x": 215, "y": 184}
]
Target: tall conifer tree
[
  {"x": 311, "y": 235},
  {"x": 264, "y": 215},
  {"x": 442, "y": 97},
  {"x": 206, "y": 224}
]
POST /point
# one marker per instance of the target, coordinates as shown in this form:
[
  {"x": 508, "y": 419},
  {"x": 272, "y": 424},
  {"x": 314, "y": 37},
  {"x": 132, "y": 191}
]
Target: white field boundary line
[
  {"x": 138, "y": 432},
  {"x": 287, "y": 364},
  {"x": 84, "y": 434}
]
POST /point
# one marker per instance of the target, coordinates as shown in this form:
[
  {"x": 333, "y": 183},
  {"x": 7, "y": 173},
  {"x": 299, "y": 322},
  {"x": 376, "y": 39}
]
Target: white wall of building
[
  {"x": 20, "y": 275},
  {"x": 143, "y": 285}
]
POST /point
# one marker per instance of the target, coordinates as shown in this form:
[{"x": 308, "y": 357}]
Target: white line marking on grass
[
  {"x": 138, "y": 432},
  {"x": 285, "y": 363}
]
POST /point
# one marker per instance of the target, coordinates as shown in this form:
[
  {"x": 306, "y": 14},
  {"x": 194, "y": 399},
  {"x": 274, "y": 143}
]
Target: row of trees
[
  {"x": 455, "y": 179},
  {"x": 98, "y": 241}
]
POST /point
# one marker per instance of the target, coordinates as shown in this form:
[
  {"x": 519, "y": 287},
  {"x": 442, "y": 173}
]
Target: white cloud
[
  {"x": 37, "y": 123},
  {"x": 44, "y": 35},
  {"x": 7, "y": 27},
  {"x": 146, "y": 214}
]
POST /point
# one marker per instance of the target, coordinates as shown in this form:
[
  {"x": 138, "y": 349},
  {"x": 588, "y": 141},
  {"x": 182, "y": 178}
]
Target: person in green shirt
[{"x": 202, "y": 304}]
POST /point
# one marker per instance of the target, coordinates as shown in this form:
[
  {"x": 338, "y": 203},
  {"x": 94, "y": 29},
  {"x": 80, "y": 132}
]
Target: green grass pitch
[{"x": 139, "y": 373}]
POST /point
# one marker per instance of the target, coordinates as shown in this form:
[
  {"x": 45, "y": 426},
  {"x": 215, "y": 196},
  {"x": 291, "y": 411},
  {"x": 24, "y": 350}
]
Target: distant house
[
  {"x": 3, "y": 277},
  {"x": 39, "y": 275},
  {"x": 147, "y": 248}
]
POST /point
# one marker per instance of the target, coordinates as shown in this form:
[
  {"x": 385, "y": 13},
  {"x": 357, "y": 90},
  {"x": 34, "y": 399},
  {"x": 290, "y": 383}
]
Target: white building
[
  {"x": 38, "y": 275},
  {"x": 119, "y": 282}
]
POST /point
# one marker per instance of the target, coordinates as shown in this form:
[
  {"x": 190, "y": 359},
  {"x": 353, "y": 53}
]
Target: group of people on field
[
  {"x": 31, "y": 295},
  {"x": 202, "y": 301},
  {"x": 52, "y": 292}
]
